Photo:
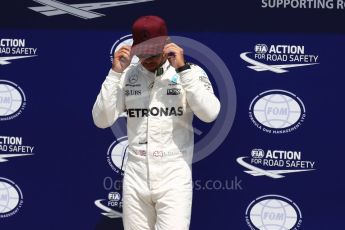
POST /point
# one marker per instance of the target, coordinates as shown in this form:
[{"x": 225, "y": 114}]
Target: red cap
[{"x": 150, "y": 34}]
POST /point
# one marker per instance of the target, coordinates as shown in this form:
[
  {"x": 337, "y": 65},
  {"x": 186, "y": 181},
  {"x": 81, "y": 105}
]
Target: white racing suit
[{"x": 157, "y": 187}]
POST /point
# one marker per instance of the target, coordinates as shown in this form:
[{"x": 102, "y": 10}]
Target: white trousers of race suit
[{"x": 166, "y": 206}]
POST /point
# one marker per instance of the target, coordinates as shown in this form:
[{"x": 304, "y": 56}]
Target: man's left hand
[{"x": 175, "y": 55}]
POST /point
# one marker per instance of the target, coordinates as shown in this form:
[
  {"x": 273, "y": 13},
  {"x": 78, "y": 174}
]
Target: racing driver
[{"x": 160, "y": 94}]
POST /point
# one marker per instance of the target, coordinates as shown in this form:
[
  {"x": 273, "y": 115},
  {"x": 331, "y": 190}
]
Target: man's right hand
[{"x": 122, "y": 59}]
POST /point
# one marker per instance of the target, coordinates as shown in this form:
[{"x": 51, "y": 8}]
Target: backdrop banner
[{"x": 272, "y": 159}]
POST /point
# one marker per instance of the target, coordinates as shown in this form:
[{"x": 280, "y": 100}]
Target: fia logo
[
  {"x": 278, "y": 58},
  {"x": 13, "y": 48},
  {"x": 275, "y": 163},
  {"x": 114, "y": 201},
  {"x": 53, "y": 8}
]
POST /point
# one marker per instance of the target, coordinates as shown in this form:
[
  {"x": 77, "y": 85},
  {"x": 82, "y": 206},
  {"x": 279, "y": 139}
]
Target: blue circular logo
[
  {"x": 273, "y": 212},
  {"x": 11, "y": 198},
  {"x": 277, "y": 110},
  {"x": 117, "y": 155},
  {"x": 12, "y": 100}
]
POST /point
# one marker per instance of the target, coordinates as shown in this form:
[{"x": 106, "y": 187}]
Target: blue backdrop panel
[
  {"x": 69, "y": 171},
  {"x": 57, "y": 170}
]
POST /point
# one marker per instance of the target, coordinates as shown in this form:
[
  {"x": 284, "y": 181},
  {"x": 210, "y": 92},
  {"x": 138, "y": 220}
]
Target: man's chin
[{"x": 151, "y": 68}]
